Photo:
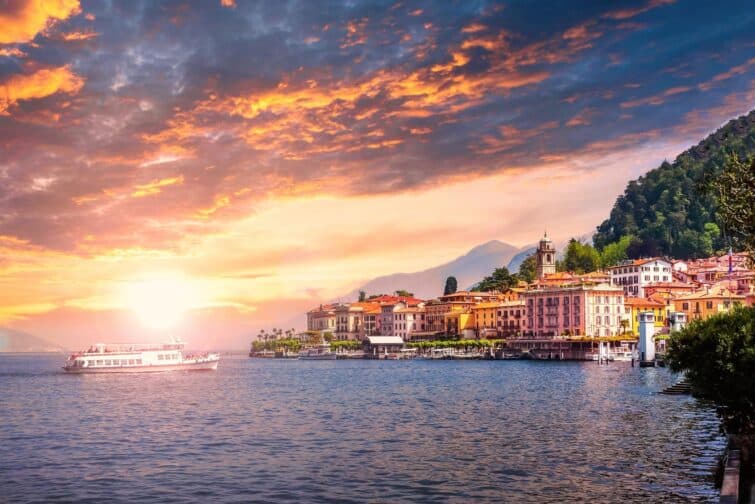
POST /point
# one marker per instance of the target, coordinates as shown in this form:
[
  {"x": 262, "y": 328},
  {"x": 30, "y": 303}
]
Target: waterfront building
[
  {"x": 511, "y": 318},
  {"x": 592, "y": 310},
  {"x": 322, "y": 318},
  {"x": 370, "y": 319},
  {"x": 461, "y": 301},
  {"x": 402, "y": 319},
  {"x": 633, "y": 306},
  {"x": 484, "y": 317},
  {"x": 348, "y": 321},
  {"x": 545, "y": 257},
  {"x": 634, "y": 275},
  {"x": 708, "y": 301},
  {"x": 565, "y": 278},
  {"x": 460, "y": 323},
  {"x": 668, "y": 291},
  {"x": 378, "y": 347}
]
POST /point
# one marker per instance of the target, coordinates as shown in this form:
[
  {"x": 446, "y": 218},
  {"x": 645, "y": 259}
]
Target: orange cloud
[
  {"x": 13, "y": 52},
  {"x": 656, "y": 99},
  {"x": 78, "y": 36},
  {"x": 155, "y": 186},
  {"x": 23, "y": 20},
  {"x": 355, "y": 33},
  {"x": 621, "y": 14},
  {"x": 583, "y": 118},
  {"x": 40, "y": 84},
  {"x": 733, "y": 71},
  {"x": 509, "y": 137},
  {"x": 473, "y": 28},
  {"x": 228, "y": 3}
]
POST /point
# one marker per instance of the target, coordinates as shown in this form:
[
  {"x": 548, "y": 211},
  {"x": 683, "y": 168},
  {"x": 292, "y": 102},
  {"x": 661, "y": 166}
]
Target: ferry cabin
[{"x": 127, "y": 359}]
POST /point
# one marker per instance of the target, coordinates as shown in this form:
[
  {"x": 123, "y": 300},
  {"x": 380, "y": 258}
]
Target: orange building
[{"x": 709, "y": 301}]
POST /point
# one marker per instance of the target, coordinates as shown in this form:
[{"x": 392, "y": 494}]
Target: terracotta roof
[
  {"x": 385, "y": 299},
  {"x": 637, "y": 301},
  {"x": 561, "y": 275},
  {"x": 717, "y": 291},
  {"x": 670, "y": 285}
]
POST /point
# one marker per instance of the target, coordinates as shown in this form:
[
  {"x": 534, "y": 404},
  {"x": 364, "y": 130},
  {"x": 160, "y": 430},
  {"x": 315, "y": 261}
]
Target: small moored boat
[{"x": 319, "y": 352}]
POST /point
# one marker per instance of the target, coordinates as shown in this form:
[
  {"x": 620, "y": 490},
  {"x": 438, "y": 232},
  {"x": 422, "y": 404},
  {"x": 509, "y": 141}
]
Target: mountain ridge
[
  {"x": 12, "y": 341},
  {"x": 468, "y": 268}
]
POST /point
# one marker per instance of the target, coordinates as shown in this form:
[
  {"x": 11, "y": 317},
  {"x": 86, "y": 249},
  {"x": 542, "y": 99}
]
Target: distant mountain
[
  {"x": 17, "y": 341},
  {"x": 519, "y": 258},
  {"x": 468, "y": 269},
  {"x": 669, "y": 210}
]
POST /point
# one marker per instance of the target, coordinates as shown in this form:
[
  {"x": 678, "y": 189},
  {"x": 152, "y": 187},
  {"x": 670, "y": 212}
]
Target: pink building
[{"x": 586, "y": 309}]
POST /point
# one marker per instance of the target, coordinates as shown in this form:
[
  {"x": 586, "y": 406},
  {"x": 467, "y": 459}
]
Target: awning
[{"x": 385, "y": 340}]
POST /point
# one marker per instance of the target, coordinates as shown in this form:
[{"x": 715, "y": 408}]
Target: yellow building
[
  {"x": 707, "y": 302},
  {"x": 484, "y": 319},
  {"x": 460, "y": 323},
  {"x": 632, "y": 308}
]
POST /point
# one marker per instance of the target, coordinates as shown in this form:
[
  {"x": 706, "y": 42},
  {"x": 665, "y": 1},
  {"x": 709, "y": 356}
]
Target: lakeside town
[{"x": 559, "y": 315}]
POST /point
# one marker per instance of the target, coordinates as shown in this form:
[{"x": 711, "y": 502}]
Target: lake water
[{"x": 353, "y": 431}]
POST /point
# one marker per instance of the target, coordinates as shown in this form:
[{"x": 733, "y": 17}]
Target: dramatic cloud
[
  {"x": 42, "y": 83},
  {"x": 286, "y": 150},
  {"x": 21, "y": 20}
]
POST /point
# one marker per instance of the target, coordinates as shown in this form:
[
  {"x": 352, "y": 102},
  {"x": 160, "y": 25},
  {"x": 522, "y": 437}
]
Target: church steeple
[{"x": 546, "y": 257}]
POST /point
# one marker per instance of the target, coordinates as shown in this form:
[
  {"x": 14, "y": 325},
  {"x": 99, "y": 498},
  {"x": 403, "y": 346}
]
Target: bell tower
[{"x": 546, "y": 257}]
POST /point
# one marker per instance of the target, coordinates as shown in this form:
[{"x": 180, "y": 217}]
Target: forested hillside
[{"x": 672, "y": 209}]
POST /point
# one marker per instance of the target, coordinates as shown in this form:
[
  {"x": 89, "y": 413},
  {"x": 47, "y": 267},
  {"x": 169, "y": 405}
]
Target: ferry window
[
  {"x": 99, "y": 363},
  {"x": 159, "y": 356},
  {"x": 138, "y": 362},
  {"x": 131, "y": 361},
  {"x": 108, "y": 362}
]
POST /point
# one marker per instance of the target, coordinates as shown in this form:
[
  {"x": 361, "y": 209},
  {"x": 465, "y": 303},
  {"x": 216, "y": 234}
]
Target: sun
[{"x": 160, "y": 301}]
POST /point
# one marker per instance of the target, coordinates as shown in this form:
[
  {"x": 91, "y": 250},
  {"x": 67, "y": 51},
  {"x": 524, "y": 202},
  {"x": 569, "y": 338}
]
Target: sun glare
[{"x": 160, "y": 302}]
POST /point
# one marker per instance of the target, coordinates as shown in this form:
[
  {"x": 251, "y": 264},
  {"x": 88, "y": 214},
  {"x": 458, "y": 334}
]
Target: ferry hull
[{"x": 184, "y": 366}]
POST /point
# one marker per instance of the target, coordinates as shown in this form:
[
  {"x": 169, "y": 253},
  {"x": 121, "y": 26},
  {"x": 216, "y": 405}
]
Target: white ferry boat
[
  {"x": 320, "y": 352},
  {"x": 138, "y": 358}
]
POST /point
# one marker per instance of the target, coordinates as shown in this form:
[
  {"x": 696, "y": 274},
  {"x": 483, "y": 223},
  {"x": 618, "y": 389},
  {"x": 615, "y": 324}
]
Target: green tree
[
  {"x": 613, "y": 253},
  {"x": 735, "y": 188},
  {"x": 667, "y": 209},
  {"x": 362, "y": 296},
  {"x": 528, "y": 268},
  {"x": 451, "y": 286},
  {"x": 718, "y": 356},
  {"x": 500, "y": 280},
  {"x": 580, "y": 257},
  {"x": 404, "y": 293}
]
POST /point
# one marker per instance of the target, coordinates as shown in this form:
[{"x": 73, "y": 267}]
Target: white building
[
  {"x": 634, "y": 276},
  {"x": 398, "y": 319},
  {"x": 349, "y": 322}
]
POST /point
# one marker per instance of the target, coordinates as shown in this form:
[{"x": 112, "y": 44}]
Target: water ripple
[{"x": 289, "y": 431}]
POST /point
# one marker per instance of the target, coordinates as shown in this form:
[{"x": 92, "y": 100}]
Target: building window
[
  {"x": 685, "y": 306},
  {"x": 709, "y": 305}
]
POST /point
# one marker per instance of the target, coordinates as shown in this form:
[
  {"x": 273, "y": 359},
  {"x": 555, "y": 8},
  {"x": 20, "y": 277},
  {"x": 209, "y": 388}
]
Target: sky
[{"x": 208, "y": 169}]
